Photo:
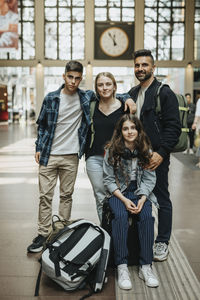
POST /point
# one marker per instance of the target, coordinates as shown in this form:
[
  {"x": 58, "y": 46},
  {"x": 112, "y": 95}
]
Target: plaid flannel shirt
[{"x": 47, "y": 121}]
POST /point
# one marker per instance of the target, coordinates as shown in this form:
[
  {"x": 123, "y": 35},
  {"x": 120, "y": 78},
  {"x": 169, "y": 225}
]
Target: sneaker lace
[
  {"x": 150, "y": 273},
  {"x": 160, "y": 247},
  {"x": 38, "y": 239},
  {"x": 124, "y": 274}
]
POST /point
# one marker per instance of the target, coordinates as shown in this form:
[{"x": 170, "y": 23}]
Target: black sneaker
[{"x": 37, "y": 244}]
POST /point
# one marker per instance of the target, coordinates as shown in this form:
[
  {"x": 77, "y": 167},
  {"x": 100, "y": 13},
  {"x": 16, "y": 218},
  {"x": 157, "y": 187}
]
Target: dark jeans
[
  {"x": 163, "y": 197},
  {"x": 191, "y": 137}
]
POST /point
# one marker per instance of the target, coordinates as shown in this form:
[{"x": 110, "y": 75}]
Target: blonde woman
[{"x": 107, "y": 112}]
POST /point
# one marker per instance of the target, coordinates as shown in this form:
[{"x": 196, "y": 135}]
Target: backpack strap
[
  {"x": 157, "y": 98},
  {"x": 184, "y": 108},
  {"x": 92, "y": 108},
  {"x": 37, "y": 286}
]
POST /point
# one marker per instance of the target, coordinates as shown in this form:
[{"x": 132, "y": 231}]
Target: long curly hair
[{"x": 116, "y": 146}]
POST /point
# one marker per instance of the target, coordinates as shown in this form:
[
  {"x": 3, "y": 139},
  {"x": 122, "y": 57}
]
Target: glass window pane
[
  {"x": 179, "y": 3},
  {"x": 50, "y": 3},
  {"x": 114, "y": 3},
  {"x": 164, "y": 41},
  {"x": 51, "y": 40},
  {"x": 29, "y": 52},
  {"x": 197, "y": 41},
  {"x": 65, "y": 41},
  {"x": 78, "y": 2},
  {"x": 64, "y": 2},
  {"x": 100, "y": 2},
  {"x": 164, "y": 15},
  {"x": 197, "y": 15},
  {"x": 150, "y": 33},
  {"x": 78, "y": 14},
  {"x": 64, "y": 14},
  {"x": 127, "y": 14},
  {"x": 16, "y": 54},
  {"x": 164, "y": 54},
  {"x": 177, "y": 54},
  {"x": 78, "y": 41},
  {"x": 28, "y": 3},
  {"x": 51, "y": 14},
  {"x": 150, "y": 3},
  {"x": 28, "y": 14},
  {"x": 50, "y": 29},
  {"x": 179, "y": 15},
  {"x": 128, "y": 3},
  {"x": 150, "y": 15},
  {"x": 51, "y": 47},
  {"x": 100, "y": 14},
  {"x": 114, "y": 14}
]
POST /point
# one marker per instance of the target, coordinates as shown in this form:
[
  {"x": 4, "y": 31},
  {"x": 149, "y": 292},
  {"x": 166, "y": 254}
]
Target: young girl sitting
[{"x": 130, "y": 184}]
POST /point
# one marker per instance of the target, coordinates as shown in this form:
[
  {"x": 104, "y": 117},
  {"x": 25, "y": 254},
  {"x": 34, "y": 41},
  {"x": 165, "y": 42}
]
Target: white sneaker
[
  {"x": 160, "y": 251},
  {"x": 185, "y": 152},
  {"x": 146, "y": 273},
  {"x": 124, "y": 281},
  {"x": 191, "y": 151}
]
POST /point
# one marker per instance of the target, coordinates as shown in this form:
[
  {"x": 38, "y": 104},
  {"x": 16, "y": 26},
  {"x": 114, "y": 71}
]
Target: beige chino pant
[{"x": 65, "y": 168}]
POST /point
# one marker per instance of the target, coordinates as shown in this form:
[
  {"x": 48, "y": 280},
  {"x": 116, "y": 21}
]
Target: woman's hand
[
  {"x": 141, "y": 203},
  {"x": 132, "y": 208}
]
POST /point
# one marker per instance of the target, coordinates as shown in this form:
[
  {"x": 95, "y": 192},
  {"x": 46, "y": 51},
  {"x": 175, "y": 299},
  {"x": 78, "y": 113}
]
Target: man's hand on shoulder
[
  {"x": 131, "y": 105},
  {"x": 155, "y": 161},
  {"x": 37, "y": 157}
]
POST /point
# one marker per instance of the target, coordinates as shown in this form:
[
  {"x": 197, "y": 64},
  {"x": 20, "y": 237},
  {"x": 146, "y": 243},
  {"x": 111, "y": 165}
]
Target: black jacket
[{"x": 163, "y": 131}]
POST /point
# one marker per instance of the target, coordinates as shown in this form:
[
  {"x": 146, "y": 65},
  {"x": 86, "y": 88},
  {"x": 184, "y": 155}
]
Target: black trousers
[
  {"x": 165, "y": 211},
  {"x": 191, "y": 137}
]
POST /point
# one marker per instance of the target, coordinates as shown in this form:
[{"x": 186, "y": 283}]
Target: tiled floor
[{"x": 18, "y": 216}]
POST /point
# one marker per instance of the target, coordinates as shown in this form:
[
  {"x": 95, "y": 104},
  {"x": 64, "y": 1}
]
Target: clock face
[{"x": 114, "y": 41}]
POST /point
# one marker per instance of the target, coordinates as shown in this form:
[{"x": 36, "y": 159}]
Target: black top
[
  {"x": 103, "y": 127},
  {"x": 163, "y": 132},
  {"x": 191, "y": 114}
]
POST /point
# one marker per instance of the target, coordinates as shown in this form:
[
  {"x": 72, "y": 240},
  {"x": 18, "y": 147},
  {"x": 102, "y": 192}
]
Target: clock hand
[
  {"x": 113, "y": 38},
  {"x": 114, "y": 41}
]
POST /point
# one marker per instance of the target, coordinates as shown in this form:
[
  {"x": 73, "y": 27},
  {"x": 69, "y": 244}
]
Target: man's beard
[{"x": 146, "y": 77}]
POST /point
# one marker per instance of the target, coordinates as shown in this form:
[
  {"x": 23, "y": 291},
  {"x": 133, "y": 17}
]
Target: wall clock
[{"x": 114, "y": 41}]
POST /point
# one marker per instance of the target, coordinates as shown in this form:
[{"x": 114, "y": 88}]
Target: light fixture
[
  {"x": 39, "y": 65},
  {"x": 189, "y": 65}
]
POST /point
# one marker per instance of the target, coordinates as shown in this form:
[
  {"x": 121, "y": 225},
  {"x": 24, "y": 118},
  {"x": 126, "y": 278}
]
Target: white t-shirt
[
  {"x": 140, "y": 100},
  {"x": 65, "y": 139},
  {"x": 197, "y": 112}
]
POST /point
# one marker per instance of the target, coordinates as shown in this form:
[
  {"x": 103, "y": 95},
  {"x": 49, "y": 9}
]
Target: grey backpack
[{"x": 76, "y": 256}]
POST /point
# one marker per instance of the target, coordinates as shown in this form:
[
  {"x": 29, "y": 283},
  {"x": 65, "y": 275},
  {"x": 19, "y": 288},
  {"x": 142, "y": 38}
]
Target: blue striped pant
[{"x": 120, "y": 224}]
